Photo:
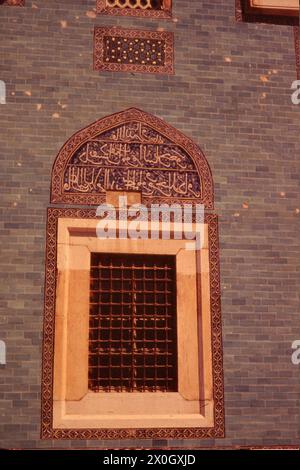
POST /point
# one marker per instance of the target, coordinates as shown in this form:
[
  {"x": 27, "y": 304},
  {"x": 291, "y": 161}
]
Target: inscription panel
[
  {"x": 132, "y": 157},
  {"x": 131, "y": 151}
]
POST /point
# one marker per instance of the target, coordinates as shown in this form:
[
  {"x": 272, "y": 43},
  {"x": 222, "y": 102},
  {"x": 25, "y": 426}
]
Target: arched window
[{"x": 132, "y": 332}]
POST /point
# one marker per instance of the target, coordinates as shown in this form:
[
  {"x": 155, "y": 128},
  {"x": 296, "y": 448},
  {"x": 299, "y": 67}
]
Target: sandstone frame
[{"x": 208, "y": 422}]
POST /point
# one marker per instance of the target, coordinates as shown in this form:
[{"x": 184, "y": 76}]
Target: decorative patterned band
[
  {"x": 125, "y": 50},
  {"x": 297, "y": 49},
  {"x": 13, "y": 3},
  {"x": 142, "y": 8}
]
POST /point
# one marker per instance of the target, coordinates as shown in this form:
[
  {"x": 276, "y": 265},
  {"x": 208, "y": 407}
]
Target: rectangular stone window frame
[
  {"x": 103, "y": 8},
  {"x": 76, "y": 406},
  {"x": 69, "y": 409}
]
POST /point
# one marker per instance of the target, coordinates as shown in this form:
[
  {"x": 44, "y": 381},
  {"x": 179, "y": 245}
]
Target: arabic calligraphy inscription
[{"x": 132, "y": 157}]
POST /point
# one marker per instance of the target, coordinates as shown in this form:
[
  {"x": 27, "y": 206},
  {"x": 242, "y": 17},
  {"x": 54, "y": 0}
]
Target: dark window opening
[{"x": 133, "y": 327}]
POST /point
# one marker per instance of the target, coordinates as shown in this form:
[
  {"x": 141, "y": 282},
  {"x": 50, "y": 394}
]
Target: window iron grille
[{"x": 133, "y": 328}]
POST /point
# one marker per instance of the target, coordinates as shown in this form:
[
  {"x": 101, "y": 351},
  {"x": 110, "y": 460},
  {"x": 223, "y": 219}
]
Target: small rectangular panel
[
  {"x": 142, "y": 8},
  {"x": 14, "y": 3},
  {"x": 125, "y": 50}
]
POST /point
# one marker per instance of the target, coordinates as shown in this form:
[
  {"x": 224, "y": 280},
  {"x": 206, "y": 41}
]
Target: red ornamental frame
[
  {"x": 59, "y": 195},
  {"x": 103, "y": 9},
  {"x": 47, "y": 430},
  {"x": 14, "y": 3},
  {"x": 297, "y": 49},
  {"x": 100, "y": 64}
]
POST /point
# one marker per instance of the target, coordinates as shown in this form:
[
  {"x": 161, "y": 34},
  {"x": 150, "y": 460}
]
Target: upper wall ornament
[
  {"x": 14, "y": 3},
  {"x": 131, "y": 151},
  {"x": 130, "y": 50},
  {"x": 143, "y": 8}
]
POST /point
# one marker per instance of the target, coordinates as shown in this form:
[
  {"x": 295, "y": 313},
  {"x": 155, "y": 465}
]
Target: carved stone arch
[{"x": 131, "y": 151}]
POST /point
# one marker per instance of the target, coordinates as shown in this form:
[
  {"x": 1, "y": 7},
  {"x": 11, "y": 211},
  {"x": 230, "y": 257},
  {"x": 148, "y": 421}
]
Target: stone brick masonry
[{"x": 231, "y": 95}]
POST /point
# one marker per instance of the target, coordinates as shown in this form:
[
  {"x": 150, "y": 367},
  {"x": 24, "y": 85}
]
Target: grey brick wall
[{"x": 231, "y": 94}]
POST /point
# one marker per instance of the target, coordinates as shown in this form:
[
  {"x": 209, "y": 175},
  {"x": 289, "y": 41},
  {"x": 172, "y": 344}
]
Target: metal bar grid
[{"x": 133, "y": 331}]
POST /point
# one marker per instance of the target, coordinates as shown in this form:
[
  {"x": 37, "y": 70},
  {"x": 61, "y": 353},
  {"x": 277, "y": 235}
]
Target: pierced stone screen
[
  {"x": 143, "y": 8},
  {"x": 143, "y": 4}
]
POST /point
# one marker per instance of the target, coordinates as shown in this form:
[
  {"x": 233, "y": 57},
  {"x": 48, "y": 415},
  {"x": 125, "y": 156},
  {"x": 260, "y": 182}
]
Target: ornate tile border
[
  {"x": 47, "y": 430},
  {"x": 104, "y": 9},
  {"x": 242, "y": 14},
  {"x": 13, "y": 3},
  {"x": 131, "y": 44},
  {"x": 271, "y": 447},
  {"x": 297, "y": 49}
]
